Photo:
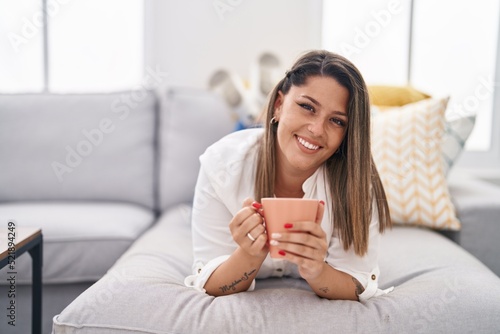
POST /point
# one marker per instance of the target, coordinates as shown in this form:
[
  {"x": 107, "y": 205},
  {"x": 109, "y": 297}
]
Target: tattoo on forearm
[
  {"x": 359, "y": 288},
  {"x": 324, "y": 289},
  {"x": 232, "y": 286}
]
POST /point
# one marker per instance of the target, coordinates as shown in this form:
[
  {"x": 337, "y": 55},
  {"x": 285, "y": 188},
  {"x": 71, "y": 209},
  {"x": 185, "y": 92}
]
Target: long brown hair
[{"x": 350, "y": 172}]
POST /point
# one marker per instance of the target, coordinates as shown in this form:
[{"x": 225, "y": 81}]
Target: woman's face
[{"x": 312, "y": 124}]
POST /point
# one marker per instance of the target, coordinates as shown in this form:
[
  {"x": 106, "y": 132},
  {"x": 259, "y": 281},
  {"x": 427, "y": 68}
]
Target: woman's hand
[
  {"x": 248, "y": 230},
  {"x": 304, "y": 244}
]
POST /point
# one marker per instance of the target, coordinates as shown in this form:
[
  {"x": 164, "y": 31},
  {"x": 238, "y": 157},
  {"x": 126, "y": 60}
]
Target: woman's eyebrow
[
  {"x": 316, "y": 102},
  {"x": 313, "y": 100}
]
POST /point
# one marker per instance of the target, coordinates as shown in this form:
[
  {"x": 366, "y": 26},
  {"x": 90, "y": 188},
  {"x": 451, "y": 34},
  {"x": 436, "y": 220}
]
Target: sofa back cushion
[
  {"x": 190, "y": 121},
  {"x": 78, "y": 147}
]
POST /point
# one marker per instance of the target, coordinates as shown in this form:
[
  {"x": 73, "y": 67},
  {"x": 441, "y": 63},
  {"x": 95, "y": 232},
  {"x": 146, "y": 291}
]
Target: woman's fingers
[
  {"x": 251, "y": 226},
  {"x": 307, "y": 227},
  {"x": 313, "y": 250},
  {"x": 305, "y": 250},
  {"x": 247, "y": 228},
  {"x": 256, "y": 232},
  {"x": 304, "y": 239}
]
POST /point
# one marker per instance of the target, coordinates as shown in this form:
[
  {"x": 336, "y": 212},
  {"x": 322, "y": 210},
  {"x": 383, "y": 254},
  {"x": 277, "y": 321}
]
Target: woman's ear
[{"x": 278, "y": 104}]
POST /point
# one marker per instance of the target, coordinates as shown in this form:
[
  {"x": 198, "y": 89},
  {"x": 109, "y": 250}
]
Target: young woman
[{"x": 315, "y": 144}]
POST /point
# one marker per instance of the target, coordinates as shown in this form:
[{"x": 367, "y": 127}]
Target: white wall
[{"x": 190, "y": 39}]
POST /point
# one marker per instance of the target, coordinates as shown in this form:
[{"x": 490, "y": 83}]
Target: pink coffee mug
[{"x": 279, "y": 211}]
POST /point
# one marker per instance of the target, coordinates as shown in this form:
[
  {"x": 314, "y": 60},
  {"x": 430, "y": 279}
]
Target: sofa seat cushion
[
  {"x": 81, "y": 240},
  {"x": 439, "y": 287}
]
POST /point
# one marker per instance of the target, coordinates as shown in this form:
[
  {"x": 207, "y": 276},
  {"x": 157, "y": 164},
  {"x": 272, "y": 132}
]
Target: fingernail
[
  {"x": 276, "y": 235},
  {"x": 288, "y": 225},
  {"x": 274, "y": 243},
  {"x": 257, "y": 205},
  {"x": 282, "y": 253},
  {"x": 322, "y": 202}
]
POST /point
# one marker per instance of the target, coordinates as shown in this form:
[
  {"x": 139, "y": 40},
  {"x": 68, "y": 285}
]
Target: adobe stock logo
[
  {"x": 372, "y": 29},
  {"x": 471, "y": 103},
  {"x": 31, "y": 28}
]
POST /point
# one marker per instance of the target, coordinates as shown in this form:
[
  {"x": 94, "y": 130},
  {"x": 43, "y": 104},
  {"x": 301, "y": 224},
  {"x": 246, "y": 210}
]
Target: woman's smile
[{"x": 307, "y": 144}]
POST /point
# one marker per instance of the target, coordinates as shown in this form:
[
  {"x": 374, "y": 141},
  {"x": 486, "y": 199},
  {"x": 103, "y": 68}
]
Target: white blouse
[{"x": 225, "y": 180}]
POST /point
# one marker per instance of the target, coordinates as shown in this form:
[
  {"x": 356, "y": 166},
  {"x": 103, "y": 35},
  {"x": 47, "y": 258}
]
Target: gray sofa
[{"x": 109, "y": 179}]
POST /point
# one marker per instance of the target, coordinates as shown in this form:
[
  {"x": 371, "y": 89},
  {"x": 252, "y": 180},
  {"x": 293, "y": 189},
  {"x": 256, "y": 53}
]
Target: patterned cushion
[
  {"x": 406, "y": 145},
  {"x": 457, "y": 131}
]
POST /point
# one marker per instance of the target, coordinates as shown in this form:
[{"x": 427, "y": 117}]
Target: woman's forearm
[
  {"x": 235, "y": 274},
  {"x": 335, "y": 284}
]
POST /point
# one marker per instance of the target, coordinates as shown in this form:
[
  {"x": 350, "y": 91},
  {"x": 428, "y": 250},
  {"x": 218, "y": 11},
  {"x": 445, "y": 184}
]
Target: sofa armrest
[{"x": 478, "y": 208}]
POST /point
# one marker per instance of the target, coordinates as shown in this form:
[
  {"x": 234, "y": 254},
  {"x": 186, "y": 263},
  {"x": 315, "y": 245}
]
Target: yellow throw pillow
[
  {"x": 390, "y": 96},
  {"x": 406, "y": 147}
]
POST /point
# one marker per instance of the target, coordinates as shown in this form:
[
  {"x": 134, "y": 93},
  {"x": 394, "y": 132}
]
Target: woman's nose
[{"x": 316, "y": 127}]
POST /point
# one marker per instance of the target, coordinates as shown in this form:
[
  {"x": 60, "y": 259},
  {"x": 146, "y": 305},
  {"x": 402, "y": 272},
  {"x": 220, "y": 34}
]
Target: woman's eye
[
  {"x": 306, "y": 106},
  {"x": 338, "y": 121}
]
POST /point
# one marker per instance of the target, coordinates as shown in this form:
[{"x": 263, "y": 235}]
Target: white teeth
[{"x": 307, "y": 145}]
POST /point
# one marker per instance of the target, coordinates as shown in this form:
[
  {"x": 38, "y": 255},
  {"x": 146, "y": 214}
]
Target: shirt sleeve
[
  {"x": 363, "y": 268},
  {"x": 213, "y": 243}
]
